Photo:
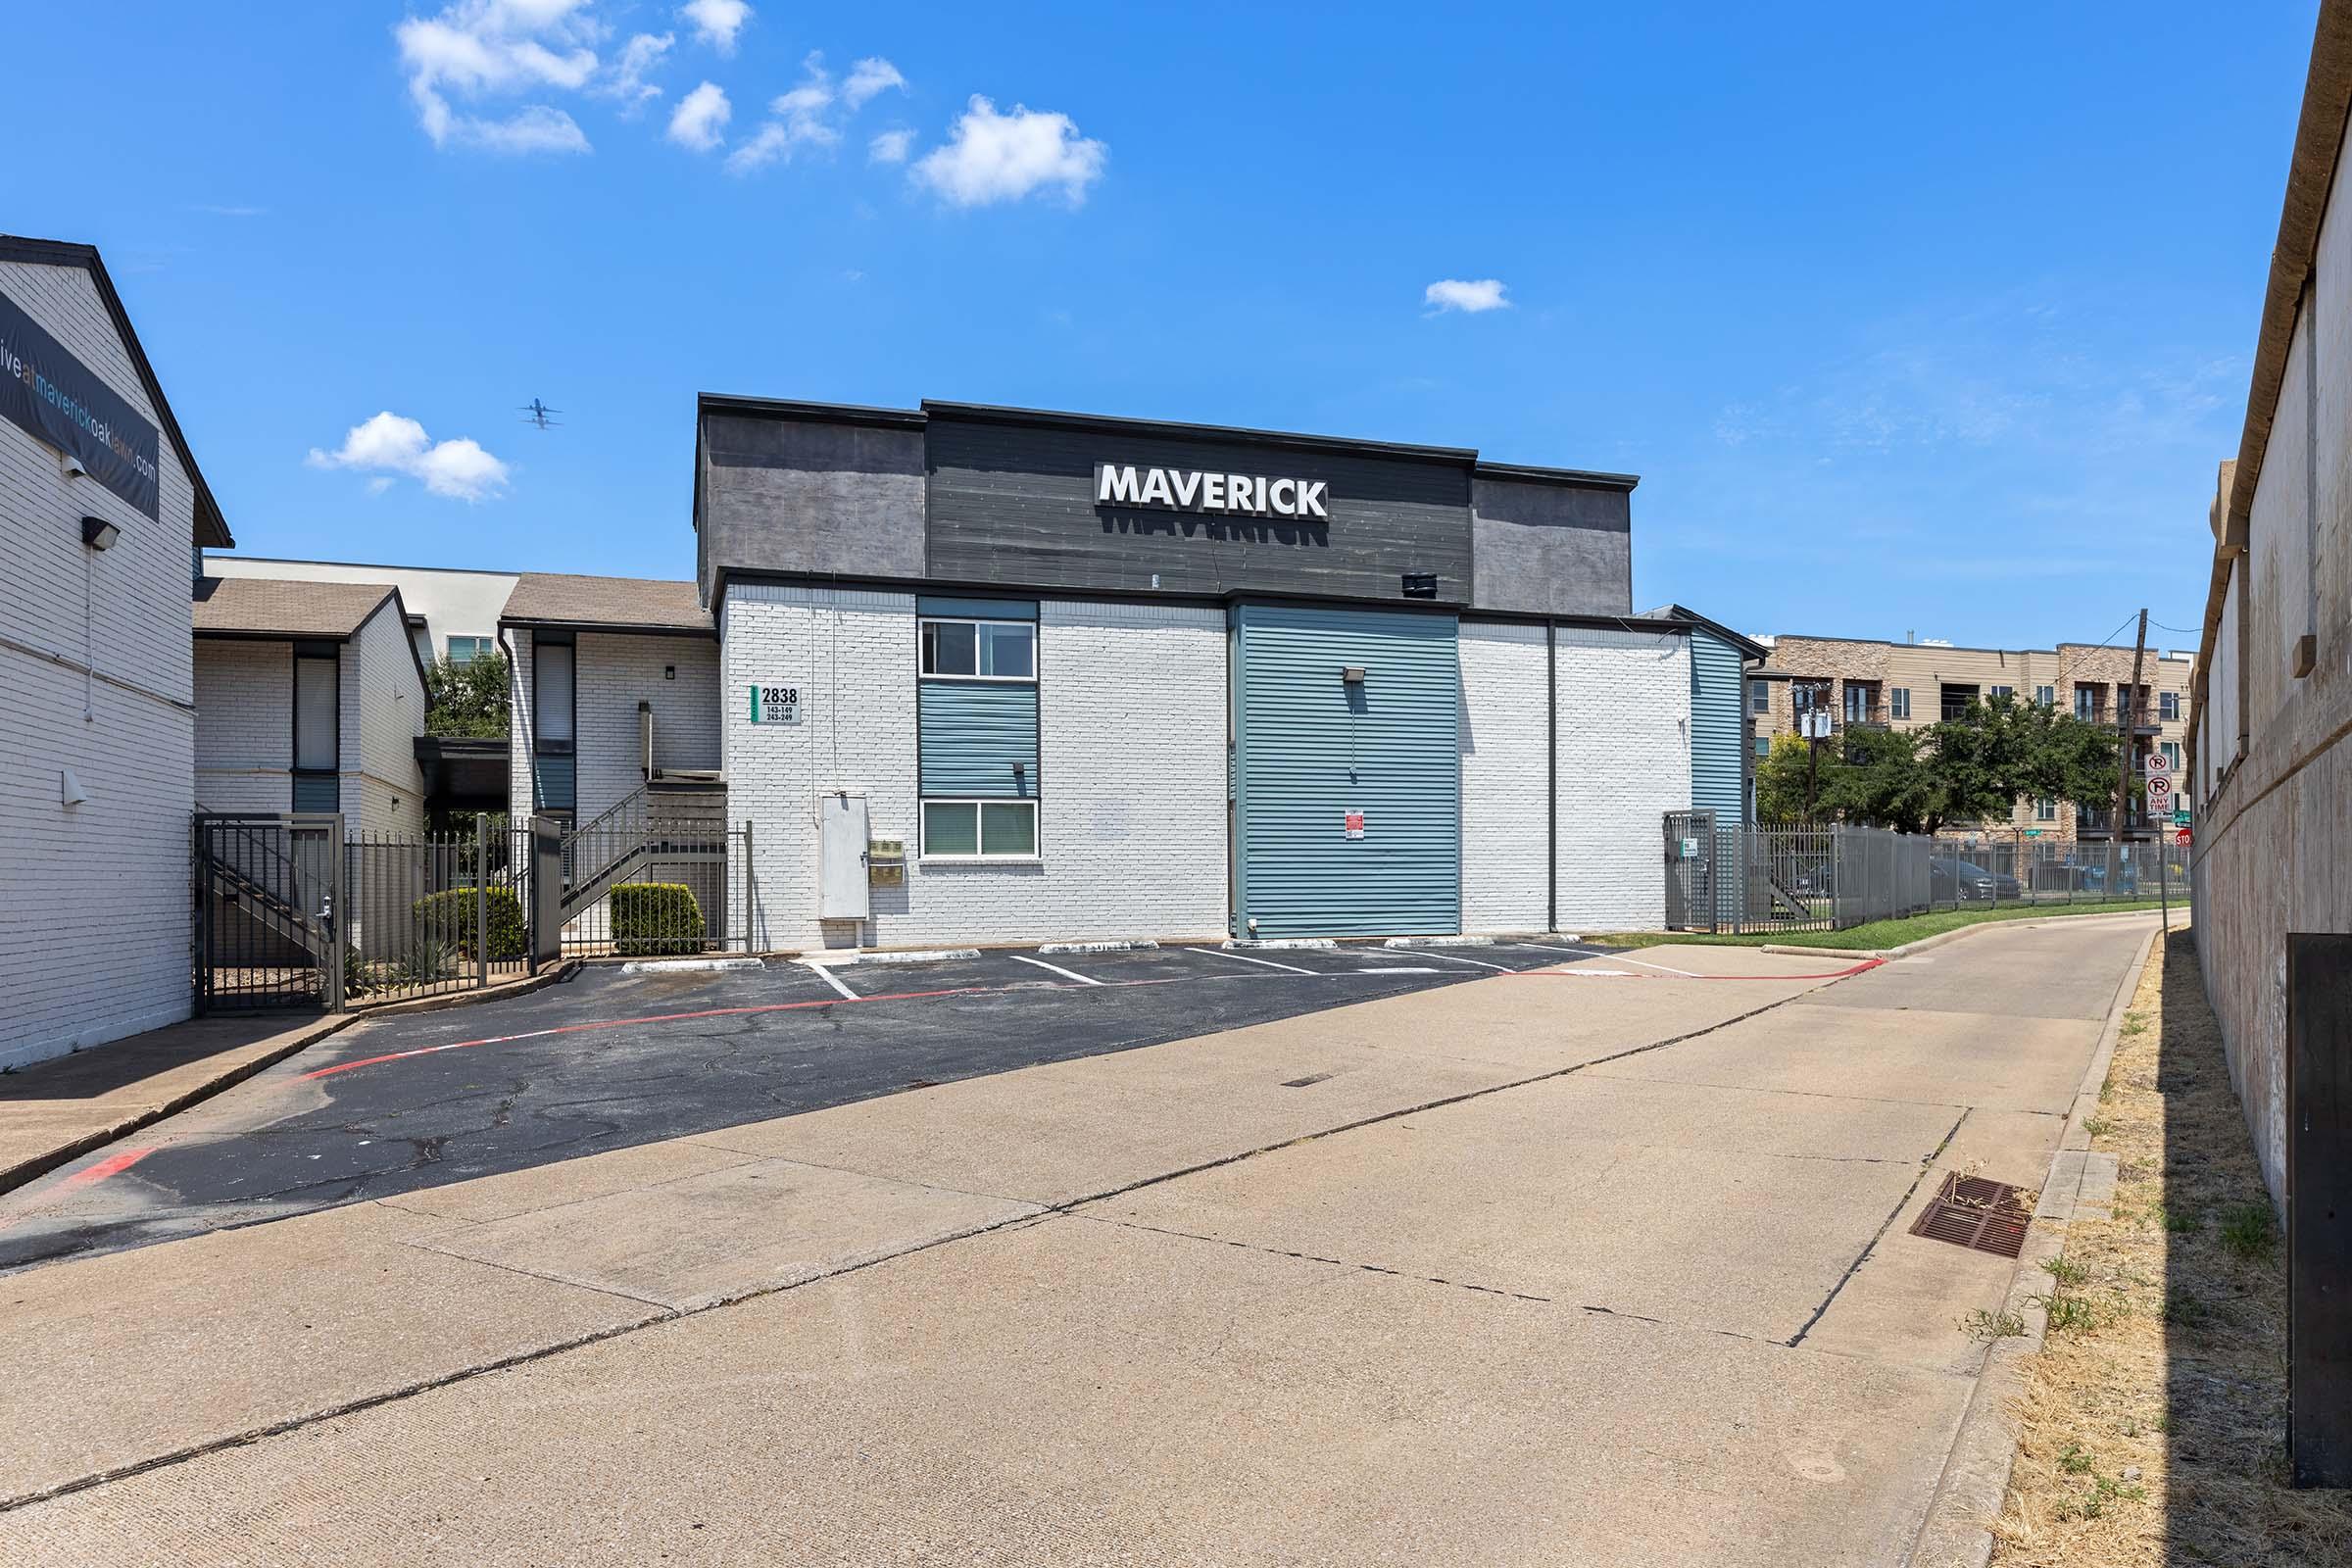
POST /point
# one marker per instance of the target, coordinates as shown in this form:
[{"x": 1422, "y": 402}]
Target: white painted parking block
[
  {"x": 1438, "y": 942},
  {"x": 925, "y": 956},
  {"x": 669, "y": 966},
  {"x": 1278, "y": 944},
  {"x": 1067, "y": 974},
  {"x": 1073, "y": 948},
  {"x": 1243, "y": 958}
]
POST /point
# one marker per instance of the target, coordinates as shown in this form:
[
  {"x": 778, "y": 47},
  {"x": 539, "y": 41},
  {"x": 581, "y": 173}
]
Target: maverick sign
[
  {"x": 1244, "y": 495},
  {"x": 46, "y": 391}
]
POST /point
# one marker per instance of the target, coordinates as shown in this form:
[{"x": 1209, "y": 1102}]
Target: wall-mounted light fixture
[
  {"x": 71, "y": 466},
  {"x": 1353, "y": 674},
  {"x": 99, "y": 534}
]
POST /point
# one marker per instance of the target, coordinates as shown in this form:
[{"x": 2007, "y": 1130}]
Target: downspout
[{"x": 1552, "y": 771}]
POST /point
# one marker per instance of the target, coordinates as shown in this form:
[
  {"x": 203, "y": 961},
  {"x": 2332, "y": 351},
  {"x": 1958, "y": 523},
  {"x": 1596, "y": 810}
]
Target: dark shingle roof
[
  {"x": 560, "y": 599},
  {"x": 279, "y": 607}
]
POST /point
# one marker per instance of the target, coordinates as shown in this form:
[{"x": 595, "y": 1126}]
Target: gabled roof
[
  {"x": 278, "y": 606},
  {"x": 614, "y": 604},
  {"x": 212, "y": 530},
  {"x": 1748, "y": 647}
]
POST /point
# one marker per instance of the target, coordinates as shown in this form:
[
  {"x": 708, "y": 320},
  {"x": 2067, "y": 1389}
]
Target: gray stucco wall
[
  {"x": 1552, "y": 548},
  {"x": 792, "y": 495}
]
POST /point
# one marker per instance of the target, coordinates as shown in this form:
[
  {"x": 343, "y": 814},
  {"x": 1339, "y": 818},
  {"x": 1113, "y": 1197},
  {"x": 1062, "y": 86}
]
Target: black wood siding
[{"x": 1014, "y": 503}]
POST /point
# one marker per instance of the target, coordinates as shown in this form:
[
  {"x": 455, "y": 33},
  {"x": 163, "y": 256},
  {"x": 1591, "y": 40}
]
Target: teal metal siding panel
[
  {"x": 552, "y": 780},
  {"x": 972, "y": 734},
  {"x": 1308, "y": 748},
  {"x": 1716, "y": 725}
]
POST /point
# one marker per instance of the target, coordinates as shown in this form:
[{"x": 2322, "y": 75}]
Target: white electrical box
[{"x": 841, "y": 845}]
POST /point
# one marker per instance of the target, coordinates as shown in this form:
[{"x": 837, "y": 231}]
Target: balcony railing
[{"x": 2101, "y": 820}]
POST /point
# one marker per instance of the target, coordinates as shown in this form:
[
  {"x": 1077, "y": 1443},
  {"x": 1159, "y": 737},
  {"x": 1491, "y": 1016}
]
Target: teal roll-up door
[
  {"x": 1716, "y": 726},
  {"x": 1311, "y": 748},
  {"x": 973, "y": 734}
]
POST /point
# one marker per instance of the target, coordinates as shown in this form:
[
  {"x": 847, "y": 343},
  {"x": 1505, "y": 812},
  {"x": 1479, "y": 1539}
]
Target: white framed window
[
  {"x": 2045, "y": 810},
  {"x": 979, "y": 830},
  {"x": 466, "y": 650},
  {"x": 1999, "y": 692},
  {"x": 1759, "y": 697},
  {"x": 2045, "y": 697},
  {"x": 2167, "y": 706},
  {"x": 980, "y": 649},
  {"x": 1899, "y": 701}
]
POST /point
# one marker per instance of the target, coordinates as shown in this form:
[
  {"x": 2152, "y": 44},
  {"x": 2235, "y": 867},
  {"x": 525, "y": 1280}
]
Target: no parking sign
[{"x": 1352, "y": 823}]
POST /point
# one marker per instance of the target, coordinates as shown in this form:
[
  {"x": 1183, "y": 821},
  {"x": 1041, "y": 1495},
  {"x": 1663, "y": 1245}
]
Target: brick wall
[
  {"x": 244, "y": 706},
  {"x": 93, "y": 897},
  {"x": 521, "y": 804},
  {"x": 1505, "y": 764},
  {"x": 383, "y": 714},
  {"x": 1132, "y": 819},
  {"x": 616, "y": 673},
  {"x": 1624, "y": 712}
]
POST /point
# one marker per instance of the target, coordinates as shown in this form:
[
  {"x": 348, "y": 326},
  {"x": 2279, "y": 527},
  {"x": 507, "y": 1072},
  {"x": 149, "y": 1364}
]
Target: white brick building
[
  {"x": 102, "y": 509},
  {"x": 308, "y": 697},
  {"x": 968, "y": 674}
]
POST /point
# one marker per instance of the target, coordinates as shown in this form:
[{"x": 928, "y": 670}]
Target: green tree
[
  {"x": 1997, "y": 752},
  {"x": 467, "y": 700},
  {"x": 1797, "y": 784},
  {"x": 1885, "y": 778}
]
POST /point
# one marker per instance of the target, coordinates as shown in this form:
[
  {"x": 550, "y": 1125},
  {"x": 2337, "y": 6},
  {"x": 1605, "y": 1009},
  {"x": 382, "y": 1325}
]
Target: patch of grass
[
  {"x": 2134, "y": 1024},
  {"x": 2067, "y": 1313},
  {"x": 2250, "y": 1230},
  {"x": 2065, "y": 1270},
  {"x": 1990, "y": 1326},
  {"x": 2097, "y": 1126},
  {"x": 2165, "y": 1359},
  {"x": 1877, "y": 933}
]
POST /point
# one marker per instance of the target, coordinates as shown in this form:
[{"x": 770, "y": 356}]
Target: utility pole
[{"x": 2131, "y": 738}]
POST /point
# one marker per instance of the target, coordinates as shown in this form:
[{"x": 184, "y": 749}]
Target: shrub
[
  {"x": 449, "y": 916},
  {"x": 656, "y": 917}
]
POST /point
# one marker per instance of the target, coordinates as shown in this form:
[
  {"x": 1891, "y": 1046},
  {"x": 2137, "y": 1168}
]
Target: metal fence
[
  {"x": 639, "y": 885},
  {"x": 424, "y": 913},
  {"x": 266, "y": 891},
  {"x": 1747, "y": 878}
]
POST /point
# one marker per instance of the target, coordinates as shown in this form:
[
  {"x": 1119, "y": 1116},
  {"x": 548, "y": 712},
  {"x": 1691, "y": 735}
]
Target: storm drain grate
[{"x": 1971, "y": 1212}]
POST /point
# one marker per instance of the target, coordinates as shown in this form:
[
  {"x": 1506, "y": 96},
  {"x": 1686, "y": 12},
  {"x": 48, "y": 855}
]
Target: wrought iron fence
[
  {"x": 265, "y": 889},
  {"x": 426, "y": 914},
  {"x": 1991, "y": 868},
  {"x": 641, "y": 885}
]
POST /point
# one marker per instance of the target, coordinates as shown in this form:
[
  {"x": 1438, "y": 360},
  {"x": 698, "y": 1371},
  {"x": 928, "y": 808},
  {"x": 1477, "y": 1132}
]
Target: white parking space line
[
  {"x": 1638, "y": 964},
  {"x": 1456, "y": 958},
  {"x": 1067, "y": 974},
  {"x": 1243, "y": 958},
  {"x": 1395, "y": 969},
  {"x": 831, "y": 979}
]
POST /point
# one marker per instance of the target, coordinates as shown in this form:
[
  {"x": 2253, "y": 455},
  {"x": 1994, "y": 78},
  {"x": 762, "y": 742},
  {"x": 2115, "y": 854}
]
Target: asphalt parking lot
[{"x": 607, "y": 1059}]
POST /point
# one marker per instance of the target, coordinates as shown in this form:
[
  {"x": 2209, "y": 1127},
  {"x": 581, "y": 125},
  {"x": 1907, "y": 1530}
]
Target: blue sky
[{"x": 1927, "y": 319}]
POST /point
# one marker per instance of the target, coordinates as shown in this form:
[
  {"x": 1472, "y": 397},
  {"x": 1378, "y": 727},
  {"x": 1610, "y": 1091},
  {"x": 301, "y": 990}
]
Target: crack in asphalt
[{"x": 1926, "y": 1164}]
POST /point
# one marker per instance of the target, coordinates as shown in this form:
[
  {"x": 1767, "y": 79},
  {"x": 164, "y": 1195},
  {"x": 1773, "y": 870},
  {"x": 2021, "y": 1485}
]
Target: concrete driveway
[{"x": 1602, "y": 1264}]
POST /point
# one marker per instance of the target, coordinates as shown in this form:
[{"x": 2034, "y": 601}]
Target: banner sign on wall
[{"x": 48, "y": 392}]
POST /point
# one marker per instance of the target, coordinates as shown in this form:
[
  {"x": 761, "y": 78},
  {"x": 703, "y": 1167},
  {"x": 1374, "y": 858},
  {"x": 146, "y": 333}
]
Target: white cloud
[
  {"x": 991, "y": 157},
  {"x": 716, "y": 22},
  {"x": 869, "y": 77},
  {"x": 810, "y": 115},
  {"x": 625, "y": 80},
  {"x": 700, "y": 120},
  {"x": 477, "y": 49},
  {"x": 389, "y": 446},
  {"x": 1456, "y": 294},
  {"x": 890, "y": 147}
]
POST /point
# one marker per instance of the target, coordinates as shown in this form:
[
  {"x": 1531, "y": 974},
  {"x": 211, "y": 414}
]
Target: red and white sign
[
  {"x": 2160, "y": 792},
  {"x": 1352, "y": 824},
  {"x": 2159, "y": 762},
  {"x": 2181, "y": 837}
]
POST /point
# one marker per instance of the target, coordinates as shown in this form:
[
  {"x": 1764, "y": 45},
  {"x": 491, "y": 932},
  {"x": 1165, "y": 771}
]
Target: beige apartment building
[{"x": 1862, "y": 683}]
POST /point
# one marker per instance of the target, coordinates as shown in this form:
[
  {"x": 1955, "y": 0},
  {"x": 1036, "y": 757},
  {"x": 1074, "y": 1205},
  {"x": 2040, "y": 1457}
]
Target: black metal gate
[
  {"x": 1690, "y": 900},
  {"x": 269, "y": 899}
]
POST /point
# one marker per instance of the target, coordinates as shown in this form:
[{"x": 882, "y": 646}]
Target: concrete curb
[
  {"x": 1438, "y": 942},
  {"x": 1146, "y": 944},
  {"x": 833, "y": 959},
  {"x": 522, "y": 986},
  {"x": 1278, "y": 944},
  {"x": 1942, "y": 937},
  {"x": 677, "y": 965},
  {"x": 1957, "y": 1532}
]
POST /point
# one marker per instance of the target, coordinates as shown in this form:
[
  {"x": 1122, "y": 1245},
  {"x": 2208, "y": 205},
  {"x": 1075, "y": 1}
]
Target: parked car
[{"x": 1965, "y": 880}]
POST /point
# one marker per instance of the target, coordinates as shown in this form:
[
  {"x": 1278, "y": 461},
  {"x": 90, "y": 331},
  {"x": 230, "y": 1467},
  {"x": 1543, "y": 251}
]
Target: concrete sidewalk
[
  {"x": 1592, "y": 1269},
  {"x": 55, "y": 1111}
]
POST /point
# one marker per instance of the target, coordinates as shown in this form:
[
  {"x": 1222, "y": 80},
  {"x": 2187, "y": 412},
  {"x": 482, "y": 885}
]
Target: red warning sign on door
[{"x": 1353, "y": 823}]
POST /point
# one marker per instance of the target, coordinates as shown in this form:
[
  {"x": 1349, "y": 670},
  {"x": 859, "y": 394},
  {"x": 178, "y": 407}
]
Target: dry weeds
[{"x": 2155, "y": 1422}]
